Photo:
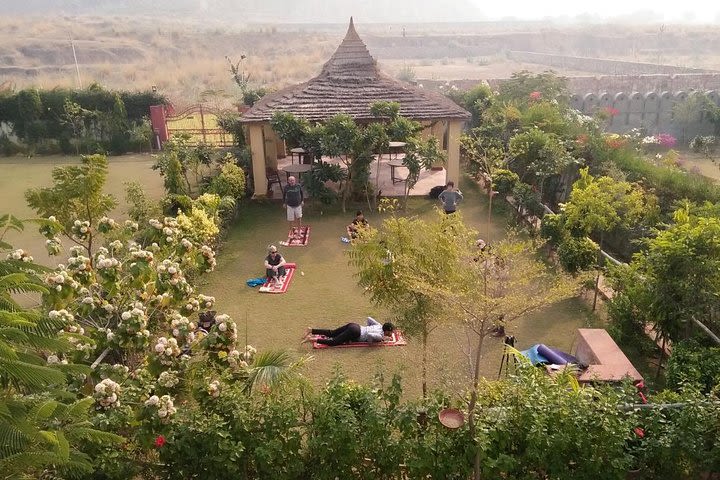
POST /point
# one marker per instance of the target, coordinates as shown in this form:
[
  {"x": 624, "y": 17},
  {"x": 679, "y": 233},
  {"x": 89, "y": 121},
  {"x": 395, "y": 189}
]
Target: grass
[
  {"x": 327, "y": 295},
  {"x": 21, "y": 173}
]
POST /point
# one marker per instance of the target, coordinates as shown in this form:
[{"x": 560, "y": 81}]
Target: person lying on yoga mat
[
  {"x": 358, "y": 222},
  {"x": 274, "y": 265},
  {"x": 351, "y": 332}
]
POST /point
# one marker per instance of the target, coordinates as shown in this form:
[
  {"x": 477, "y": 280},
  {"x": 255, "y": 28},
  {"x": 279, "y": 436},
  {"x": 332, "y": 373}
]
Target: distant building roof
[{"x": 349, "y": 83}]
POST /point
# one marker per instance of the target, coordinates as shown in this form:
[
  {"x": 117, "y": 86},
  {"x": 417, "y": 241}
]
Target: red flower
[
  {"x": 640, "y": 432},
  {"x": 611, "y": 111},
  {"x": 535, "y": 95},
  {"x": 159, "y": 441}
]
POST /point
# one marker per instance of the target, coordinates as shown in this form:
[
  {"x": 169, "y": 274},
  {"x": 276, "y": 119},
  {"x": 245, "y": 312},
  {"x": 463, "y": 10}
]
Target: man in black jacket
[{"x": 293, "y": 201}]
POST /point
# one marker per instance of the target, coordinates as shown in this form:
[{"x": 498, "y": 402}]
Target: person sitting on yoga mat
[
  {"x": 274, "y": 265},
  {"x": 358, "y": 222},
  {"x": 351, "y": 332}
]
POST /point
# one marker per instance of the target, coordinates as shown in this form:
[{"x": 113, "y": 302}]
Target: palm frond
[
  {"x": 270, "y": 367},
  {"x": 12, "y": 439},
  {"x": 15, "y": 319},
  {"x": 29, "y": 375},
  {"x": 93, "y": 435}
]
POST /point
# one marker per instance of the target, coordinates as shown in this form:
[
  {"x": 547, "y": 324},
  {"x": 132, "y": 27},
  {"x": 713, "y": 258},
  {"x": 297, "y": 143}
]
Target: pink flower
[
  {"x": 639, "y": 432},
  {"x": 159, "y": 441},
  {"x": 535, "y": 96}
]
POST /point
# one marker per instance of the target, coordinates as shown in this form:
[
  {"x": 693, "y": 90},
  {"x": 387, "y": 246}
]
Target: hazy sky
[{"x": 660, "y": 10}]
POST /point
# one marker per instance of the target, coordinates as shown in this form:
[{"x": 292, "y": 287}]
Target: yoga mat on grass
[
  {"x": 298, "y": 237},
  {"x": 271, "y": 287},
  {"x": 542, "y": 354},
  {"x": 398, "y": 340}
]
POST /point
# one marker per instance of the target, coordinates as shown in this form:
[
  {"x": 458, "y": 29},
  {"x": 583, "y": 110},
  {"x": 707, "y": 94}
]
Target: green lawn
[
  {"x": 327, "y": 295},
  {"x": 21, "y": 173}
]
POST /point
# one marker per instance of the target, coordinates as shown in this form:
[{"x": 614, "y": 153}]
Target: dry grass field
[{"x": 186, "y": 59}]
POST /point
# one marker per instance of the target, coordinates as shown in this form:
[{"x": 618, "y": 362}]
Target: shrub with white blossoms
[
  {"x": 167, "y": 350},
  {"x": 53, "y": 246},
  {"x": 61, "y": 282},
  {"x": 106, "y": 225},
  {"x": 182, "y": 329},
  {"x": 168, "y": 379},
  {"x": 20, "y": 255},
  {"x": 131, "y": 226},
  {"x": 170, "y": 279},
  {"x": 131, "y": 331},
  {"x": 235, "y": 359},
  {"x": 164, "y": 232},
  {"x": 109, "y": 268},
  {"x": 162, "y": 405},
  {"x": 195, "y": 304},
  {"x": 213, "y": 389},
  {"x": 249, "y": 353},
  {"x": 116, "y": 246},
  {"x": 107, "y": 394},
  {"x": 79, "y": 266},
  {"x": 222, "y": 337},
  {"x": 81, "y": 229},
  {"x": 208, "y": 259}
]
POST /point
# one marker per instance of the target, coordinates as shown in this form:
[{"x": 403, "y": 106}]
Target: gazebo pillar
[
  {"x": 453, "y": 161},
  {"x": 257, "y": 149}
]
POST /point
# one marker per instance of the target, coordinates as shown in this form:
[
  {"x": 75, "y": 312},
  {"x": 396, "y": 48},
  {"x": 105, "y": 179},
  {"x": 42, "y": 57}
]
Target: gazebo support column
[
  {"x": 453, "y": 161},
  {"x": 257, "y": 149}
]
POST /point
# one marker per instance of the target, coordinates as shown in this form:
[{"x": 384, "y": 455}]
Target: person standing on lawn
[
  {"x": 293, "y": 201},
  {"x": 450, "y": 197}
]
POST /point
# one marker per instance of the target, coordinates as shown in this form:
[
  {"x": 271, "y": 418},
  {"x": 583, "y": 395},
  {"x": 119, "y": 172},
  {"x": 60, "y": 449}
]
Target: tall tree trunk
[
  {"x": 424, "y": 364},
  {"x": 473, "y": 402},
  {"x": 597, "y": 278}
]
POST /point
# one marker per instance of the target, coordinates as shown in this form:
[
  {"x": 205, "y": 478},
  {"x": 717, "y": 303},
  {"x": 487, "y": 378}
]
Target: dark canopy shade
[{"x": 349, "y": 83}]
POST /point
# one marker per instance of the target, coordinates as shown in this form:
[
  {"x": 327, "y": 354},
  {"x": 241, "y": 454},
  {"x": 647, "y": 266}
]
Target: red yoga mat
[
  {"x": 398, "y": 340},
  {"x": 271, "y": 287},
  {"x": 298, "y": 237}
]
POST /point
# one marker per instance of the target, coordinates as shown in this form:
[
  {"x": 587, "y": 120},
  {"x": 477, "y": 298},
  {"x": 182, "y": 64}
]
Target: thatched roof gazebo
[{"x": 349, "y": 83}]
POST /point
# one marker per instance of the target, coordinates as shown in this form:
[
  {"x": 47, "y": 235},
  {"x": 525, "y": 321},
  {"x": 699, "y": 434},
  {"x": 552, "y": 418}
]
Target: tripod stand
[{"x": 507, "y": 356}]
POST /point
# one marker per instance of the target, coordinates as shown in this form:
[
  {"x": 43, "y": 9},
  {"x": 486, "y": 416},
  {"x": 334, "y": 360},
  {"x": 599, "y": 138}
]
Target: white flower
[
  {"x": 126, "y": 315},
  {"x": 159, "y": 348},
  {"x": 87, "y": 300},
  {"x": 52, "y": 359},
  {"x": 154, "y": 400},
  {"x": 222, "y": 327}
]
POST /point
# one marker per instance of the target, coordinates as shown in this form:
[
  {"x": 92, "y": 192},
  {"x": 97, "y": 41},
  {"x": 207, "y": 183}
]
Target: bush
[
  {"x": 577, "y": 254},
  {"x": 528, "y": 199},
  {"x": 693, "y": 365},
  {"x": 173, "y": 203},
  {"x": 230, "y": 182},
  {"x": 552, "y": 228},
  {"x": 504, "y": 181},
  {"x": 669, "y": 184}
]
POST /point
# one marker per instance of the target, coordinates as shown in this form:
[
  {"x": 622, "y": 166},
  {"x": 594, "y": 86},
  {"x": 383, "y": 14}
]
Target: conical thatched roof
[{"x": 349, "y": 83}]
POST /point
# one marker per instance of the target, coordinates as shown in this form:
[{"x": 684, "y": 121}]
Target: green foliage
[
  {"x": 96, "y": 117},
  {"x": 552, "y": 228},
  {"x": 383, "y": 109},
  {"x": 76, "y": 194},
  {"x": 141, "y": 208},
  {"x": 521, "y": 84},
  {"x": 694, "y": 366},
  {"x": 289, "y": 128},
  {"x": 669, "y": 184},
  {"x": 230, "y": 122},
  {"x": 537, "y": 154},
  {"x": 230, "y": 182},
  {"x": 504, "y": 181},
  {"x": 706, "y": 145},
  {"x": 577, "y": 254},
  {"x": 528, "y": 200},
  {"x": 476, "y": 101},
  {"x": 407, "y": 74},
  {"x": 676, "y": 278}
]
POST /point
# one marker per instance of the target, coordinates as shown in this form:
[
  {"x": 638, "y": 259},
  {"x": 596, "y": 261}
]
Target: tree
[
  {"x": 39, "y": 434},
  {"x": 538, "y": 154},
  {"x": 76, "y": 199},
  {"x": 76, "y": 118},
  {"x": 689, "y": 111},
  {"x": 600, "y": 205},
  {"x": 508, "y": 283},
  {"x": 526, "y": 87},
  {"x": 675, "y": 279},
  {"x": 397, "y": 262}
]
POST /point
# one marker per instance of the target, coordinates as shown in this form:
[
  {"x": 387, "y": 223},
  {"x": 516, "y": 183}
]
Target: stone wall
[
  {"x": 641, "y": 101},
  {"x": 600, "y": 65}
]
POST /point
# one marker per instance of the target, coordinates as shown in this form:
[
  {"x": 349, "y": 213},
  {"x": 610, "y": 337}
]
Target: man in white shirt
[{"x": 374, "y": 331}]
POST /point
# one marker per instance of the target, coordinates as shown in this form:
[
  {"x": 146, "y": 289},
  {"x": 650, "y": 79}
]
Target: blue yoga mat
[
  {"x": 254, "y": 282},
  {"x": 542, "y": 354}
]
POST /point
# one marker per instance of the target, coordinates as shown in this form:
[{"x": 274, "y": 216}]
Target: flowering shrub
[
  {"x": 660, "y": 141},
  {"x": 20, "y": 255},
  {"x": 107, "y": 394},
  {"x": 197, "y": 226},
  {"x": 105, "y": 225},
  {"x": 163, "y": 406}
]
